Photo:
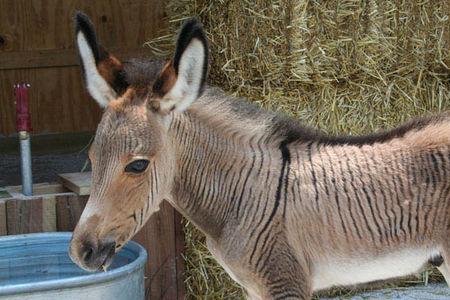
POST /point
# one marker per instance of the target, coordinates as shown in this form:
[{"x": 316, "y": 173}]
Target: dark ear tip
[
  {"x": 193, "y": 27},
  {"x": 192, "y": 22},
  {"x": 84, "y": 25},
  {"x": 82, "y": 22},
  {"x": 80, "y": 16}
]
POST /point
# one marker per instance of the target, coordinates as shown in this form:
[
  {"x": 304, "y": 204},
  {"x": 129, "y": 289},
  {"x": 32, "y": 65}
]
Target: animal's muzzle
[{"x": 93, "y": 256}]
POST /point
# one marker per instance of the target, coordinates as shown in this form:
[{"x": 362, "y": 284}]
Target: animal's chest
[
  {"x": 237, "y": 272},
  {"x": 350, "y": 271},
  {"x": 221, "y": 260}
]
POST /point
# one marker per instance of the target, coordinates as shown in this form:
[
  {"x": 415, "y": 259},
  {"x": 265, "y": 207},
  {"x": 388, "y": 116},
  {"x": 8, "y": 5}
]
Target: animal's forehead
[{"x": 127, "y": 131}]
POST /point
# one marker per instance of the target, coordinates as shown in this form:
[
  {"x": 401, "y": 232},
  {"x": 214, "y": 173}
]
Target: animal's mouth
[{"x": 107, "y": 261}]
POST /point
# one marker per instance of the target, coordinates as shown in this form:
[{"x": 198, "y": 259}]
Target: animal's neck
[{"x": 217, "y": 171}]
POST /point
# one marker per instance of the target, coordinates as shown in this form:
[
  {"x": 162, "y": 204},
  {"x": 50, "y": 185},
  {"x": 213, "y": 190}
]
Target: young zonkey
[{"x": 286, "y": 209}]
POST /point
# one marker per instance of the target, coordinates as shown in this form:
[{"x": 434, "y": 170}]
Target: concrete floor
[{"x": 430, "y": 292}]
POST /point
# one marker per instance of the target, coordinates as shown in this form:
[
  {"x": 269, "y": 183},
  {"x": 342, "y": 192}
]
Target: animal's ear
[
  {"x": 103, "y": 73},
  {"x": 182, "y": 79}
]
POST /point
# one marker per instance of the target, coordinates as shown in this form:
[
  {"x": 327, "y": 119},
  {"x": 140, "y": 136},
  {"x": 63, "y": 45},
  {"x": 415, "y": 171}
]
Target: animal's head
[{"x": 133, "y": 166}]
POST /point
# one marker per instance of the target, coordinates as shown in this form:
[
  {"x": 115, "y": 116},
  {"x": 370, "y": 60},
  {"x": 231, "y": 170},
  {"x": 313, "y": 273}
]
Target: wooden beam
[
  {"x": 79, "y": 183},
  {"x": 24, "y": 216},
  {"x": 57, "y": 58},
  {"x": 179, "y": 251},
  {"x": 39, "y": 189},
  {"x": 3, "y": 227},
  {"x": 48, "y": 214},
  {"x": 158, "y": 237},
  {"x": 68, "y": 211}
]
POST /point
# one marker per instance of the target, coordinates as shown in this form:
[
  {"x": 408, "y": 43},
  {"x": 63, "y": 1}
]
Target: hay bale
[{"x": 347, "y": 66}]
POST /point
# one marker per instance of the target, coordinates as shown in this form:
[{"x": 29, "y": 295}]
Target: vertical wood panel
[
  {"x": 3, "y": 227},
  {"x": 59, "y": 102},
  {"x": 48, "y": 24},
  {"x": 159, "y": 238},
  {"x": 179, "y": 250},
  {"x": 24, "y": 216},
  {"x": 30, "y": 216},
  {"x": 48, "y": 214},
  {"x": 68, "y": 211}
]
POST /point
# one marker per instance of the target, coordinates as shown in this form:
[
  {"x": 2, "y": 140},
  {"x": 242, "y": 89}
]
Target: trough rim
[{"x": 73, "y": 282}]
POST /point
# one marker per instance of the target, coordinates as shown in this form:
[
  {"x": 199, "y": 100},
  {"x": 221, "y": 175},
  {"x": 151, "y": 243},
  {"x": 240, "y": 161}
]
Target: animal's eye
[{"x": 137, "y": 166}]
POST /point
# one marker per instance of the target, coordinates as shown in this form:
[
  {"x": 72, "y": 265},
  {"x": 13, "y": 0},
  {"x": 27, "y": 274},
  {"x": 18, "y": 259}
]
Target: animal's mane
[
  {"x": 279, "y": 126},
  {"x": 293, "y": 130},
  {"x": 287, "y": 129}
]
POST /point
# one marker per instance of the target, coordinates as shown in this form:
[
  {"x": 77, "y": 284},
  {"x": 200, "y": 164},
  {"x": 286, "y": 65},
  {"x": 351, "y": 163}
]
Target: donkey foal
[{"x": 286, "y": 209}]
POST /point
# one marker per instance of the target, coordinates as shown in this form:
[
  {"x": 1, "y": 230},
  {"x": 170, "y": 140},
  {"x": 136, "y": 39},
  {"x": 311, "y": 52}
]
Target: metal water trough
[{"x": 37, "y": 267}]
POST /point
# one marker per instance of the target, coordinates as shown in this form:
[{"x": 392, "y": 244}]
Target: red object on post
[{"x": 23, "y": 117}]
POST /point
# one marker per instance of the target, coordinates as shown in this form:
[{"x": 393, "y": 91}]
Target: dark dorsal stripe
[{"x": 293, "y": 131}]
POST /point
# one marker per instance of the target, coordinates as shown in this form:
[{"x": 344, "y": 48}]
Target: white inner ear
[
  {"x": 96, "y": 85},
  {"x": 190, "y": 71}
]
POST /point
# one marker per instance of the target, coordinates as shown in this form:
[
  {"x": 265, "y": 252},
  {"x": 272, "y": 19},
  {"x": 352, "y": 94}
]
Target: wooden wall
[
  {"x": 162, "y": 236},
  {"x": 37, "y": 46}
]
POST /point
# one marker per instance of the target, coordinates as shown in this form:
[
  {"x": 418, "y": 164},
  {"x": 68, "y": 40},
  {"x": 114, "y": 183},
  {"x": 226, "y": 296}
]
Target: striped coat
[{"x": 287, "y": 210}]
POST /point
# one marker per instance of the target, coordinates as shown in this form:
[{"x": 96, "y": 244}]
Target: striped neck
[{"x": 216, "y": 173}]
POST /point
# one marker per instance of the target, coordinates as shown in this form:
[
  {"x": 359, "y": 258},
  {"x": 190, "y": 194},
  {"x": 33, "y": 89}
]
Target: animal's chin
[{"x": 106, "y": 264}]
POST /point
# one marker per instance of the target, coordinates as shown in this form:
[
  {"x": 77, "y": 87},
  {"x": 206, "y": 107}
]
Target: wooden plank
[
  {"x": 42, "y": 24},
  {"x": 59, "y": 101},
  {"x": 24, "y": 216},
  {"x": 80, "y": 183},
  {"x": 48, "y": 214},
  {"x": 3, "y": 227},
  {"x": 58, "y": 58},
  {"x": 68, "y": 211},
  {"x": 179, "y": 251},
  {"x": 58, "y": 98},
  {"x": 158, "y": 237},
  {"x": 39, "y": 189}
]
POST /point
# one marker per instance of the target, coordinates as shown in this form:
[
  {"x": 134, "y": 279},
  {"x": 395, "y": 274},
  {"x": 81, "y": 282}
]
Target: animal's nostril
[{"x": 88, "y": 253}]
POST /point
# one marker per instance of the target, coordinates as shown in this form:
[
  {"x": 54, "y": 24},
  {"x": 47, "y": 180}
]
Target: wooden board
[
  {"x": 24, "y": 216},
  {"x": 58, "y": 100},
  {"x": 68, "y": 211},
  {"x": 57, "y": 58},
  {"x": 179, "y": 250},
  {"x": 39, "y": 189},
  {"x": 37, "y": 46},
  {"x": 48, "y": 214},
  {"x": 79, "y": 183},
  {"x": 165, "y": 265},
  {"x": 3, "y": 227}
]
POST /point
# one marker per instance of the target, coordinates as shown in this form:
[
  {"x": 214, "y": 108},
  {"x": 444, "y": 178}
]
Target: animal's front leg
[
  {"x": 282, "y": 274},
  {"x": 271, "y": 274}
]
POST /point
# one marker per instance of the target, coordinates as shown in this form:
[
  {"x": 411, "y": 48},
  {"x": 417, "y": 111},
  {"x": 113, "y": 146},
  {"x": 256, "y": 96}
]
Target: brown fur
[{"x": 165, "y": 81}]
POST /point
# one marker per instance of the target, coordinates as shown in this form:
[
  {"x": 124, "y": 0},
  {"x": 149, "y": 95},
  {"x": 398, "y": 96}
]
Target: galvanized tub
[{"x": 37, "y": 266}]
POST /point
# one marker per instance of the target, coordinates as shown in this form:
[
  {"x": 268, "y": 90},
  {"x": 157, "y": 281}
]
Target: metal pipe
[
  {"x": 23, "y": 124},
  {"x": 25, "y": 160}
]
